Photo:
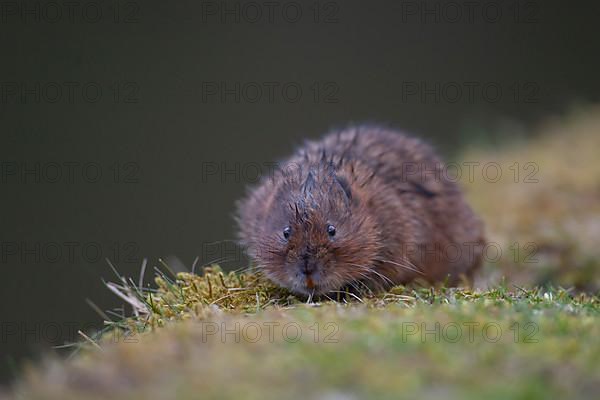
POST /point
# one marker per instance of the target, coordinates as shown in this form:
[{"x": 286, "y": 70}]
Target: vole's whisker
[
  {"x": 373, "y": 271},
  {"x": 360, "y": 282},
  {"x": 410, "y": 267},
  {"x": 365, "y": 277},
  {"x": 383, "y": 277}
]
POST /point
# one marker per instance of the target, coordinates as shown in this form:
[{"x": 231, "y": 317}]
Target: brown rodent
[{"x": 363, "y": 207}]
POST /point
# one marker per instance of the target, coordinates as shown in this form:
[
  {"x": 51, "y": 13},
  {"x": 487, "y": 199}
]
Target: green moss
[{"x": 237, "y": 336}]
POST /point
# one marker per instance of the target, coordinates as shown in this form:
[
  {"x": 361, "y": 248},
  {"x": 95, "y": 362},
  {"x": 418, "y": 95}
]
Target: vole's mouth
[{"x": 310, "y": 284}]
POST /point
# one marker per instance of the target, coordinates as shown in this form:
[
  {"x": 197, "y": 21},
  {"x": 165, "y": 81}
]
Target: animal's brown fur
[{"x": 396, "y": 215}]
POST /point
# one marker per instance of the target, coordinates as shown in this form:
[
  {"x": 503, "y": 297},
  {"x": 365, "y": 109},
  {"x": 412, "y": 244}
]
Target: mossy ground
[{"x": 518, "y": 335}]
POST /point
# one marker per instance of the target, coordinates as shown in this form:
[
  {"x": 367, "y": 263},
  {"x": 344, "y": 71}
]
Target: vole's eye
[
  {"x": 286, "y": 232},
  {"x": 331, "y": 230}
]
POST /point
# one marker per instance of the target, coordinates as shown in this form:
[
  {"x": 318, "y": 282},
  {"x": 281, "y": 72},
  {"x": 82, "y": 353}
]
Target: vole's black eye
[
  {"x": 286, "y": 232},
  {"x": 331, "y": 230}
]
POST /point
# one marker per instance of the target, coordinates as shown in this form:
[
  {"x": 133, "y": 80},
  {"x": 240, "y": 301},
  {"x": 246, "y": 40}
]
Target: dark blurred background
[{"x": 128, "y": 130}]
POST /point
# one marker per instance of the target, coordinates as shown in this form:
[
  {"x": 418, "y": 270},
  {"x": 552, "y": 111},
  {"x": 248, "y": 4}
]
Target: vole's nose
[{"x": 307, "y": 267}]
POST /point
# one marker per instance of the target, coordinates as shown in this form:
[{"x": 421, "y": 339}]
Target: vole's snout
[
  {"x": 308, "y": 269},
  {"x": 307, "y": 266}
]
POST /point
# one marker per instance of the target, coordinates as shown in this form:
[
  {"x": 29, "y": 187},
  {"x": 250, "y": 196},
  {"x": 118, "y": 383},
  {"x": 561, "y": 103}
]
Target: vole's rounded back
[{"x": 365, "y": 206}]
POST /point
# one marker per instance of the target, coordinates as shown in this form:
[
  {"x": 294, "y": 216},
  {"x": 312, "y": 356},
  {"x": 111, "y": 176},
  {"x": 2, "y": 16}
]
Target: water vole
[{"x": 364, "y": 206}]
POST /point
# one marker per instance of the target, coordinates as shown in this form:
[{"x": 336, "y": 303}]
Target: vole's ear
[
  {"x": 422, "y": 190},
  {"x": 309, "y": 183}
]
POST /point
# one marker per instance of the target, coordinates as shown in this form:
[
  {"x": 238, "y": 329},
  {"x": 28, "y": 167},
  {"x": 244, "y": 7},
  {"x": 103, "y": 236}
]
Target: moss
[{"x": 229, "y": 336}]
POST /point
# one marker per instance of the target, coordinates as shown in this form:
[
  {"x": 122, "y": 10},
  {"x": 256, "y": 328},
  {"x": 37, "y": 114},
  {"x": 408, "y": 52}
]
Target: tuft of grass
[{"x": 188, "y": 295}]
